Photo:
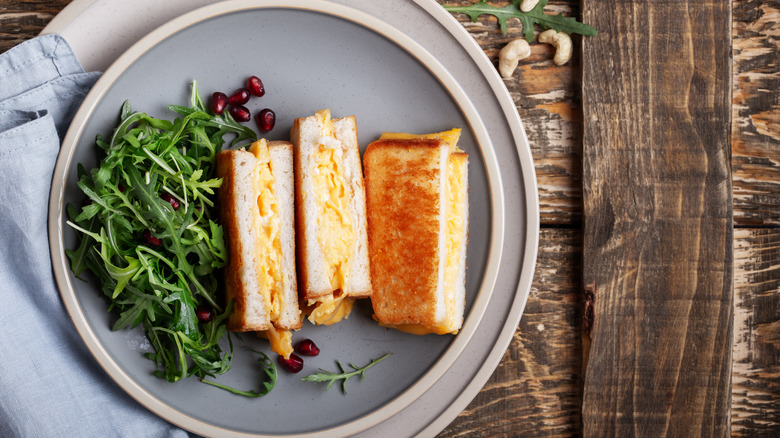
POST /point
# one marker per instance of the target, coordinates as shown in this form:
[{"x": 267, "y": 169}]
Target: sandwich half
[
  {"x": 331, "y": 239},
  {"x": 417, "y": 203},
  {"x": 257, "y": 213}
]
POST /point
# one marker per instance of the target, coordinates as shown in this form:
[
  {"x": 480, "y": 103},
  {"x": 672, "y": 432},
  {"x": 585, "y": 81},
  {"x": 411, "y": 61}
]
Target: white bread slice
[
  {"x": 241, "y": 220},
  {"x": 282, "y": 168},
  {"x": 314, "y": 269},
  {"x": 417, "y": 261},
  {"x": 360, "y": 276}
]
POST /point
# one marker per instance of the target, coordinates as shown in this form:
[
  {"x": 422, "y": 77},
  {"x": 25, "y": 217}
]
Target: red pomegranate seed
[
  {"x": 219, "y": 101},
  {"x": 204, "y": 313},
  {"x": 121, "y": 188},
  {"x": 151, "y": 240},
  {"x": 266, "y": 119},
  {"x": 255, "y": 86},
  {"x": 173, "y": 201},
  {"x": 293, "y": 364},
  {"x": 307, "y": 348},
  {"x": 240, "y": 113},
  {"x": 239, "y": 97}
]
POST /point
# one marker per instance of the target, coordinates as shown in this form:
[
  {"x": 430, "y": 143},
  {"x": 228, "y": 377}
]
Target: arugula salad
[{"x": 148, "y": 233}]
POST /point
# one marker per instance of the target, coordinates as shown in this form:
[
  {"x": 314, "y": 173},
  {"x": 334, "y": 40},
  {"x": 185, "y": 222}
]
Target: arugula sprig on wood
[
  {"x": 528, "y": 19},
  {"x": 160, "y": 285}
]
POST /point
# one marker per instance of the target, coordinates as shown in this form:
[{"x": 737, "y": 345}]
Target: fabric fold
[{"x": 51, "y": 385}]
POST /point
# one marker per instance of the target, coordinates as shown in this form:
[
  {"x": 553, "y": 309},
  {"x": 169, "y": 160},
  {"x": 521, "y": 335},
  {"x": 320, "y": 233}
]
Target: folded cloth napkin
[{"x": 50, "y": 386}]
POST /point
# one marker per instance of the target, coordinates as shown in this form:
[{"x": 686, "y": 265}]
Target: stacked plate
[{"x": 403, "y": 66}]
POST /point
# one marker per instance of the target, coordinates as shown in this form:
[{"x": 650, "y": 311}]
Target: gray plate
[{"x": 352, "y": 63}]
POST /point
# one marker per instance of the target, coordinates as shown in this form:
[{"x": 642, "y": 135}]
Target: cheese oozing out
[
  {"x": 268, "y": 250},
  {"x": 335, "y": 230},
  {"x": 455, "y": 229}
]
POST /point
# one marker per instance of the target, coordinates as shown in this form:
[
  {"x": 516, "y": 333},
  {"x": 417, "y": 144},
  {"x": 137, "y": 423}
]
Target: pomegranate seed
[
  {"x": 204, "y": 313},
  {"x": 219, "y": 101},
  {"x": 255, "y": 86},
  {"x": 293, "y": 364},
  {"x": 240, "y": 113},
  {"x": 121, "y": 188},
  {"x": 307, "y": 348},
  {"x": 151, "y": 240},
  {"x": 239, "y": 97},
  {"x": 266, "y": 119},
  {"x": 173, "y": 201}
]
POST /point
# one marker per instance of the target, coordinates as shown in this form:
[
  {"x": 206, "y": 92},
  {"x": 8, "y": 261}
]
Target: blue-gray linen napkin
[{"x": 50, "y": 386}]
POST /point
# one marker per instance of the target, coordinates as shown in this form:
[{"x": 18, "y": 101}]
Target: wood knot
[{"x": 588, "y": 311}]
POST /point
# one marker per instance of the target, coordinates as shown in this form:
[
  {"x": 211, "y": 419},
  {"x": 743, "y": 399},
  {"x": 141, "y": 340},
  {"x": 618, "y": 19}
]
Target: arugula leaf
[
  {"x": 331, "y": 377},
  {"x": 157, "y": 264},
  {"x": 528, "y": 19},
  {"x": 268, "y": 368}
]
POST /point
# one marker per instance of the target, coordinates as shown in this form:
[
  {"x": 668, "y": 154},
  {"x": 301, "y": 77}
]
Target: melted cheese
[
  {"x": 450, "y": 137},
  {"x": 281, "y": 341},
  {"x": 330, "y": 310},
  {"x": 268, "y": 250},
  {"x": 335, "y": 231},
  {"x": 456, "y": 194}
]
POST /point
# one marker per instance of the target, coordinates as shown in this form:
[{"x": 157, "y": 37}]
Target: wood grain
[
  {"x": 534, "y": 392},
  {"x": 547, "y": 97},
  {"x": 756, "y": 112},
  {"x": 755, "y": 406},
  {"x": 657, "y": 240},
  {"x": 22, "y": 20}
]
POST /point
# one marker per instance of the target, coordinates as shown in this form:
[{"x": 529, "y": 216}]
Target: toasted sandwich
[
  {"x": 331, "y": 240},
  {"x": 417, "y": 203},
  {"x": 257, "y": 213}
]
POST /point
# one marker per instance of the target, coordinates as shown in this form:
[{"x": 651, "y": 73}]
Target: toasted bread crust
[
  {"x": 403, "y": 201},
  {"x": 228, "y": 197}
]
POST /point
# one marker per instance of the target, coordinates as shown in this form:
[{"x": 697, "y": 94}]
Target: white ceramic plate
[{"x": 317, "y": 54}]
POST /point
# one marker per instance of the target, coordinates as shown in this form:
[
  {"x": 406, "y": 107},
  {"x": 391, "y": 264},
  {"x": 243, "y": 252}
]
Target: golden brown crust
[
  {"x": 403, "y": 200},
  {"x": 227, "y": 198}
]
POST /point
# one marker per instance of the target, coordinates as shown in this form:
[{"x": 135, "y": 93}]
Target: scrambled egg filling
[
  {"x": 335, "y": 231},
  {"x": 281, "y": 341},
  {"x": 456, "y": 194},
  {"x": 330, "y": 310},
  {"x": 269, "y": 247}
]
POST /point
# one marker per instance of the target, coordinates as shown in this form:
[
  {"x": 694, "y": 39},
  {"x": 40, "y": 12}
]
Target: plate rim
[
  {"x": 533, "y": 222},
  {"x": 192, "y": 18}
]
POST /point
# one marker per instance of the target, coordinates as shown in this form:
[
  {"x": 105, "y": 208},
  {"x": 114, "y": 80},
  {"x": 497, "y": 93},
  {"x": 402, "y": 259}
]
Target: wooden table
[{"x": 655, "y": 307}]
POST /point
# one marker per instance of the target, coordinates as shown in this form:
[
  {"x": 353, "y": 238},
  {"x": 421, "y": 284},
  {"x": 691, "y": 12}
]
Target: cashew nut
[
  {"x": 527, "y": 5},
  {"x": 510, "y": 55},
  {"x": 562, "y": 43}
]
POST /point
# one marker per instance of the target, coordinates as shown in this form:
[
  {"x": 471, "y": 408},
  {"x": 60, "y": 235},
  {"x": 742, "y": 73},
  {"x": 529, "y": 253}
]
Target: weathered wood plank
[
  {"x": 755, "y": 406},
  {"x": 22, "y": 20},
  {"x": 657, "y": 240},
  {"x": 756, "y": 112},
  {"x": 535, "y": 390},
  {"x": 547, "y": 97}
]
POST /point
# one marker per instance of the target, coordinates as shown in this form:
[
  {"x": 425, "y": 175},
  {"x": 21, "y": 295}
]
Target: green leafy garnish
[
  {"x": 528, "y": 19},
  {"x": 331, "y": 377},
  {"x": 268, "y": 368},
  {"x": 148, "y": 233}
]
